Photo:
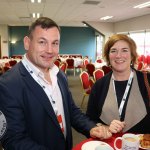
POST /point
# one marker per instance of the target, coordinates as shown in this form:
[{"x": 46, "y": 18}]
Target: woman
[{"x": 119, "y": 100}]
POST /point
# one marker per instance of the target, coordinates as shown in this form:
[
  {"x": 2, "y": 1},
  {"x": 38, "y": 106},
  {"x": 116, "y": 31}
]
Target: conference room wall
[
  {"x": 78, "y": 40},
  {"x": 4, "y": 40},
  {"x": 134, "y": 24},
  {"x": 106, "y": 28},
  {"x": 74, "y": 40},
  {"x": 16, "y": 34}
]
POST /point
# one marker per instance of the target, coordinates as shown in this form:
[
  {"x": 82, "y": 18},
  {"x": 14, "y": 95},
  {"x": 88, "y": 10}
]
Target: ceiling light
[
  {"x": 142, "y": 5},
  {"x": 33, "y": 15},
  {"x": 84, "y": 24},
  {"x": 36, "y": 15},
  {"x": 106, "y": 17},
  {"x": 13, "y": 42},
  {"x": 39, "y": 1}
]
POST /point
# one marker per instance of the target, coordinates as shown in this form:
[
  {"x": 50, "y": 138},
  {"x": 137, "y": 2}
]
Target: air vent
[
  {"x": 12, "y": 1},
  {"x": 25, "y": 19},
  {"x": 91, "y": 2}
]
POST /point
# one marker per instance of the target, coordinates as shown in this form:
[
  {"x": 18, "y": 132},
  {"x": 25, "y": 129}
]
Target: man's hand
[{"x": 101, "y": 132}]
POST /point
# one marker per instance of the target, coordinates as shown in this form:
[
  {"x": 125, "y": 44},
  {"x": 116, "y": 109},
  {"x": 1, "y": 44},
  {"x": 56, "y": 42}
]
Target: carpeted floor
[{"x": 77, "y": 93}]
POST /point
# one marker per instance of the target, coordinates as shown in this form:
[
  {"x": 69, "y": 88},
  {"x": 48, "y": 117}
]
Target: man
[{"x": 35, "y": 98}]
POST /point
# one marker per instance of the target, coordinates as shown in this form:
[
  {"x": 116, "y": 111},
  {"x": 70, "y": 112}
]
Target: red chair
[
  {"x": 148, "y": 59},
  {"x": 140, "y": 66},
  {"x": 5, "y": 57},
  {"x": 142, "y": 58},
  {"x": 106, "y": 69},
  {"x": 70, "y": 64},
  {"x": 63, "y": 67},
  {"x": 90, "y": 69},
  {"x": 57, "y": 63},
  {"x": 12, "y": 62},
  {"x": 7, "y": 64},
  {"x": 59, "y": 59},
  {"x": 87, "y": 84},
  {"x": 14, "y": 56},
  {"x": 85, "y": 61},
  {"x": 19, "y": 56},
  {"x": 97, "y": 74},
  {"x": 99, "y": 61}
]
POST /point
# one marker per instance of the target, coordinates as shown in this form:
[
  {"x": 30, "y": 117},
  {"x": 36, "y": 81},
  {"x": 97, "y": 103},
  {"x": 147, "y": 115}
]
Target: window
[
  {"x": 99, "y": 45},
  {"x": 142, "y": 40}
]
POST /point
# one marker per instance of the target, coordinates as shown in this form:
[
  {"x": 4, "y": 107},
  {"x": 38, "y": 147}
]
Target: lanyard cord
[
  {"x": 53, "y": 102},
  {"x": 125, "y": 93}
]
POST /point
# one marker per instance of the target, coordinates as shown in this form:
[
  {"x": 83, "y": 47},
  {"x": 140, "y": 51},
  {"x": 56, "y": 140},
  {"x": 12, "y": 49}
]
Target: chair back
[
  {"x": 141, "y": 58},
  {"x": 106, "y": 69},
  {"x": 85, "y": 61},
  {"x": 70, "y": 63},
  {"x": 148, "y": 59},
  {"x": 5, "y": 57},
  {"x": 87, "y": 84},
  {"x": 19, "y": 56},
  {"x": 57, "y": 63},
  {"x": 97, "y": 74},
  {"x": 140, "y": 65},
  {"x": 59, "y": 59},
  {"x": 90, "y": 69},
  {"x": 84, "y": 77},
  {"x": 99, "y": 61},
  {"x": 63, "y": 67},
  {"x": 12, "y": 62}
]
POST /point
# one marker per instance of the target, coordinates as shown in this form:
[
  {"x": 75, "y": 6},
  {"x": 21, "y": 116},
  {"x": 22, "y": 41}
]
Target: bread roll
[{"x": 145, "y": 141}]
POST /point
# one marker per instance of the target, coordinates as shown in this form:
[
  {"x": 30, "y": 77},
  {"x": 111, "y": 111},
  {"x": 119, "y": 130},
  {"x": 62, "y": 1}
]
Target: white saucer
[{"x": 91, "y": 145}]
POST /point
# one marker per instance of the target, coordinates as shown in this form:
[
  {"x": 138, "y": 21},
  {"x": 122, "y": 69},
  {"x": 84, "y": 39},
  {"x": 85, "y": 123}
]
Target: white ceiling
[{"x": 69, "y": 12}]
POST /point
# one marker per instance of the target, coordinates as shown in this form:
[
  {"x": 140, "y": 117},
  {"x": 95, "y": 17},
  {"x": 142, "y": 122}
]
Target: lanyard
[
  {"x": 53, "y": 102},
  {"x": 125, "y": 93}
]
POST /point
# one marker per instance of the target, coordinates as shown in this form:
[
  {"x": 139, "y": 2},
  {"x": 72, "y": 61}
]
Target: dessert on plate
[{"x": 145, "y": 141}]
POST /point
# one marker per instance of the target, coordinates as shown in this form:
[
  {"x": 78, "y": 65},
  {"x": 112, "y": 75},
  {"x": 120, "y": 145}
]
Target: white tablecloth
[
  {"x": 99, "y": 65},
  {"x": 4, "y": 61},
  {"x": 77, "y": 62}
]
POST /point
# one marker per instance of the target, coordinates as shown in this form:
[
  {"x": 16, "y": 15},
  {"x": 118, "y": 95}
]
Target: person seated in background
[
  {"x": 120, "y": 100},
  {"x": 35, "y": 98}
]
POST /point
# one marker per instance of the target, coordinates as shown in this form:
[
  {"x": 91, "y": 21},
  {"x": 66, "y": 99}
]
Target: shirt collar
[{"x": 53, "y": 71}]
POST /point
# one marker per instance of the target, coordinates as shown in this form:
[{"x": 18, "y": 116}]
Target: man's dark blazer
[{"x": 31, "y": 121}]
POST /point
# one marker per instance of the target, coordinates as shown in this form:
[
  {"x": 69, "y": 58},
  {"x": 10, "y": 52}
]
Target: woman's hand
[
  {"x": 116, "y": 126},
  {"x": 101, "y": 132}
]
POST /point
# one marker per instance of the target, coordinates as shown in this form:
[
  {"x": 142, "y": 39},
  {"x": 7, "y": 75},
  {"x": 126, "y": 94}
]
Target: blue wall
[
  {"x": 74, "y": 40},
  {"x": 78, "y": 40},
  {"x": 17, "y": 33}
]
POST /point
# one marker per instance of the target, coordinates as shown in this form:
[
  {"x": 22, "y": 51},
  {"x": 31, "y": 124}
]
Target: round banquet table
[{"x": 109, "y": 141}]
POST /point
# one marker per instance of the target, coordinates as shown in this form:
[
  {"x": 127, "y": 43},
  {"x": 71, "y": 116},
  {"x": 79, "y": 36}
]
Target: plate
[
  {"x": 140, "y": 135},
  {"x": 91, "y": 145}
]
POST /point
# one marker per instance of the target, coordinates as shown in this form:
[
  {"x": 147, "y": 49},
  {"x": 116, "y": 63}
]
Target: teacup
[{"x": 129, "y": 142}]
